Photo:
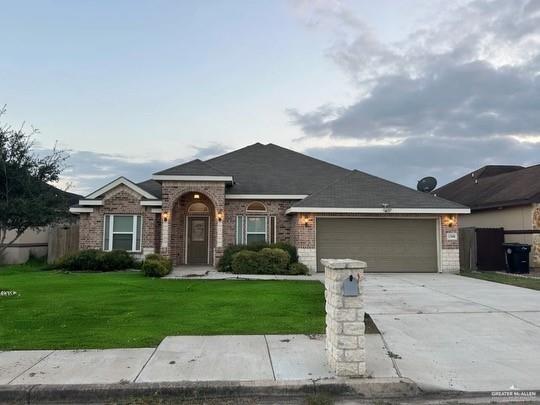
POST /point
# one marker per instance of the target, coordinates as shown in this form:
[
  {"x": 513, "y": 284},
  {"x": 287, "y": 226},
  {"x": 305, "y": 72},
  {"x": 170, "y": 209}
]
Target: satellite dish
[{"x": 427, "y": 184}]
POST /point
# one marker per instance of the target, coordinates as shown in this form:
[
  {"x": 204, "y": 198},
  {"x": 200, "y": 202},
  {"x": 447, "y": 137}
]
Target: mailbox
[{"x": 350, "y": 287}]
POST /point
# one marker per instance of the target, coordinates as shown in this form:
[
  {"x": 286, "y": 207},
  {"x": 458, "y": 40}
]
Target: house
[
  {"x": 501, "y": 197},
  {"x": 192, "y": 211}
]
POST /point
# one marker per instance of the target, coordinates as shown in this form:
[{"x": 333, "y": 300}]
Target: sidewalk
[
  {"x": 189, "y": 358},
  {"x": 210, "y": 273}
]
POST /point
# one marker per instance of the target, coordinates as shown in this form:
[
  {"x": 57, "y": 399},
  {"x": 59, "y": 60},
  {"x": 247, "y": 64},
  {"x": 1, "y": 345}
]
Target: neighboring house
[
  {"x": 33, "y": 242},
  {"x": 501, "y": 197},
  {"x": 192, "y": 211}
]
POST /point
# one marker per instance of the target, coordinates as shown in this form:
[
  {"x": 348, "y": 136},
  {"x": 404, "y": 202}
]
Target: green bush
[
  {"x": 96, "y": 260},
  {"x": 154, "y": 268},
  {"x": 298, "y": 268},
  {"x": 89, "y": 260},
  {"x": 155, "y": 265},
  {"x": 287, "y": 247},
  {"x": 225, "y": 263},
  {"x": 245, "y": 262},
  {"x": 273, "y": 261},
  {"x": 116, "y": 260},
  {"x": 265, "y": 261}
]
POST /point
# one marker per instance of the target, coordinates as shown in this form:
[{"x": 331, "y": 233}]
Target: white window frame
[
  {"x": 243, "y": 240},
  {"x": 133, "y": 233},
  {"x": 265, "y": 233}
]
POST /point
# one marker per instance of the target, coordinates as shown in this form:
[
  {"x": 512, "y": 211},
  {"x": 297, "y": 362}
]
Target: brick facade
[
  {"x": 120, "y": 200},
  {"x": 176, "y": 196},
  {"x": 276, "y": 208},
  {"x": 169, "y": 237}
]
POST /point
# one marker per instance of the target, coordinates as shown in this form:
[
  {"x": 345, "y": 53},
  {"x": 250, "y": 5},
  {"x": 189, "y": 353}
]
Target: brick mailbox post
[{"x": 345, "y": 341}]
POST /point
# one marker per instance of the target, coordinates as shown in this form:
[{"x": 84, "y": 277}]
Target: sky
[{"x": 400, "y": 89}]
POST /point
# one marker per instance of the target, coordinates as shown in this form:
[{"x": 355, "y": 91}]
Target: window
[
  {"x": 198, "y": 208},
  {"x": 122, "y": 232},
  {"x": 250, "y": 229},
  {"x": 256, "y": 207},
  {"x": 256, "y": 229}
]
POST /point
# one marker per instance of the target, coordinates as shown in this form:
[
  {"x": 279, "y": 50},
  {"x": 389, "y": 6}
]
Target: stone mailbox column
[{"x": 345, "y": 342}]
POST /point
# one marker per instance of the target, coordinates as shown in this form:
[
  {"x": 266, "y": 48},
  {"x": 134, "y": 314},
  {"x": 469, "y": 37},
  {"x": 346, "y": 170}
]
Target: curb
[{"x": 81, "y": 393}]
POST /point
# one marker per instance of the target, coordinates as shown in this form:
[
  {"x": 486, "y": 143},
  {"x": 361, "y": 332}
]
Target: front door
[{"x": 197, "y": 246}]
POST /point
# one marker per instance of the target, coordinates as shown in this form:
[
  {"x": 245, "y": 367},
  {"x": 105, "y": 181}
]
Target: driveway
[{"x": 452, "y": 332}]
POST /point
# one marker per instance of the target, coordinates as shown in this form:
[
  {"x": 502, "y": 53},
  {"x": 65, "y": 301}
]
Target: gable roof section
[
  {"x": 495, "y": 186},
  {"x": 115, "y": 183},
  {"x": 270, "y": 169},
  {"x": 151, "y": 186},
  {"x": 359, "y": 192}
]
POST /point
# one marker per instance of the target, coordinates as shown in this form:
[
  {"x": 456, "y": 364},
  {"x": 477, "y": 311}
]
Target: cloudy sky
[{"x": 400, "y": 89}]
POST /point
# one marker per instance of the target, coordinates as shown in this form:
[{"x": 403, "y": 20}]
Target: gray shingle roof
[
  {"x": 193, "y": 168},
  {"x": 151, "y": 186},
  {"x": 271, "y": 169},
  {"x": 361, "y": 190},
  {"x": 495, "y": 186}
]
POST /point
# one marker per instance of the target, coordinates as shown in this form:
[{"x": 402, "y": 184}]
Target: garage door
[{"x": 387, "y": 245}]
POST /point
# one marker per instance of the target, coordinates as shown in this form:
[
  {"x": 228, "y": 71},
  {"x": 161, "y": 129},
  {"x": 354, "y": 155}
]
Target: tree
[{"x": 27, "y": 200}]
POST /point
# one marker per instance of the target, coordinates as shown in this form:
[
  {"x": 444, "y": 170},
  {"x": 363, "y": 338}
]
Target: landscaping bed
[
  {"x": 60, "y": 310},
  {"x": 532, "y": 283}
]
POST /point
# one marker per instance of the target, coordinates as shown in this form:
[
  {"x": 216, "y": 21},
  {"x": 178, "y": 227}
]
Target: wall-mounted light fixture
[
  {"x": 305, "y": 221},
  {"x": 196, "y": 196},
  {"x": 449, "y": 221},
  {"x": 165, "y": 216},
  {"x": 220, "y": 216}
]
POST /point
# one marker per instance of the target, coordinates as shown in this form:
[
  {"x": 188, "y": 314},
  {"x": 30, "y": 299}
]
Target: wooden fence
[{"x": 63, "y": 239}]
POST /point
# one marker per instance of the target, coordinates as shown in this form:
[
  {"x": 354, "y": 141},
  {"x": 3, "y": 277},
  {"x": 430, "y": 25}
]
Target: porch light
[
  {"x": 305, "y": 220},
  {"x": 449, "y": 220},
  {"x": 196, "y": 196},
  {"x": 165, "y": 216},
  {"x": 220, "y": 216}
]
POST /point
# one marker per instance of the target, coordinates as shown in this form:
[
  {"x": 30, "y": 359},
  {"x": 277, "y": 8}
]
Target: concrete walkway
[
  {"x": 454, "y": 332},
  {"x": 189, "y": 358},
  {"x": 210, "y": 273}
]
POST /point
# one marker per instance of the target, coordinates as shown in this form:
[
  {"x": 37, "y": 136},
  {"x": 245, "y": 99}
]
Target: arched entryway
[{"x": 193, "y": 230}]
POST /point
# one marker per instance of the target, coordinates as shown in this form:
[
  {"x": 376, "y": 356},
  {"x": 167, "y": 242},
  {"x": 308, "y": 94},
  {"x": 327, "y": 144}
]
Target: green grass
[
  {"x": 55, "y": 310},
  {"x": 532, "y": 283}
]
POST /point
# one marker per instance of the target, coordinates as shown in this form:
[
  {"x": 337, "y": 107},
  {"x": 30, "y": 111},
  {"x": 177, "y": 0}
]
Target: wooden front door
[{"x": 197, "y": 240}]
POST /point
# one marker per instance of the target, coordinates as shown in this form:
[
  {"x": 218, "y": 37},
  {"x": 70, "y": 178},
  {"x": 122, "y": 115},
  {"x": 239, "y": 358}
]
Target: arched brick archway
[
  {"x": 181, "y": 220},
  {"x": 176, "y": 195}
]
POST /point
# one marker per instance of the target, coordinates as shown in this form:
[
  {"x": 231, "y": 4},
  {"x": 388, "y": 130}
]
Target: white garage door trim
[{"x": 435, "y": 217}]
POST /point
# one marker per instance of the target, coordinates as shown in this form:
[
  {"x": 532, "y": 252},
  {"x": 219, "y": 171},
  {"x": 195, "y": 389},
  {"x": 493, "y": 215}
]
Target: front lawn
[
  {"x": 55, "y": 310},
  {"x": 532, "y": 283}
]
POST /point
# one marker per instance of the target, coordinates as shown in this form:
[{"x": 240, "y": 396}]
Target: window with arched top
[
  {"x": 256, "y": 207},
  {"x": 198, "y": 208}
]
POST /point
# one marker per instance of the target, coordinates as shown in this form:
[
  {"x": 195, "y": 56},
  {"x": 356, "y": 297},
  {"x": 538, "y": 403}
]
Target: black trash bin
[{"x": 517, "y": 257}]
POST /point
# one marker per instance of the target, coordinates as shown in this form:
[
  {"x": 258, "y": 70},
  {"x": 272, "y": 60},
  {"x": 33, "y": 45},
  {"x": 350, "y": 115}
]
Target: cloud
[
  {"x": 467, "y": 84},
  {"x": 442, "y": 158},
  {"x": 87, "y": 171}
]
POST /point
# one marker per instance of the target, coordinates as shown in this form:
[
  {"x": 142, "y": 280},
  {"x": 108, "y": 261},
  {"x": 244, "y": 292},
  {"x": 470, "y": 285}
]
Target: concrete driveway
[{"x": 452, "y": 332}]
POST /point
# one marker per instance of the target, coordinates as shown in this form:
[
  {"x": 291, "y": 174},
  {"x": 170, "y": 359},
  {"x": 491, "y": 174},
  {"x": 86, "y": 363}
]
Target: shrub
[
  {"x": 96, "y": 260},
  {"x": 116, "y": 260},
  {"x": 83, "y": 260},
  {"x": 155, "y": 265},
  {"x": 225, "y": 263},
  {"x": 245, "y": 262},
  {"x": 265, "y": 261},
  {"x": 287, "y": 247},
  {"x": 298, "y": 268},
  {"x": 273, "y": 261}
]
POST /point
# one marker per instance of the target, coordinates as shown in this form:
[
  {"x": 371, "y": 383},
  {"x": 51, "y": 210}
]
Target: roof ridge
[
  {"x": 226, "y": 156},
  {"x": 304, "y": 155}
]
